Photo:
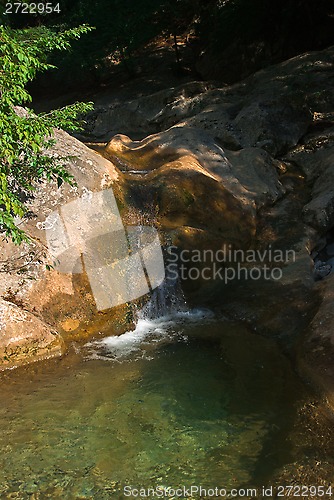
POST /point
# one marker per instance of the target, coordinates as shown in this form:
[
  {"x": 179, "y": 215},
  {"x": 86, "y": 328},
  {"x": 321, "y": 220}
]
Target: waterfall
[
  {"x": 160, "y": 319},
  {"x": 155, "y": 321},
  {"x": 167, "y": 300}
]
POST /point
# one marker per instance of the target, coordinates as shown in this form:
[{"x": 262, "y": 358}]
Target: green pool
[{"x": 192, "y": 400}]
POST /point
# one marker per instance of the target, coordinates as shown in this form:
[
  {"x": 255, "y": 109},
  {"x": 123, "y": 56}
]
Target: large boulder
[
  {"x": 44, "y": 299},
  {"x": 25, "y": 338},
  {"x": 192, "y": 183}
]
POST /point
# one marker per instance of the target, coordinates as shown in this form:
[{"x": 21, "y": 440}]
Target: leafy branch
[{"x": 26, "y": 137}]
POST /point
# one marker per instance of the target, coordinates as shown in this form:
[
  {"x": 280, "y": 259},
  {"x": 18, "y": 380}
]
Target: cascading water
[
  {"x": 166, "y": 300},
  {"x": 160, "y": 319}
]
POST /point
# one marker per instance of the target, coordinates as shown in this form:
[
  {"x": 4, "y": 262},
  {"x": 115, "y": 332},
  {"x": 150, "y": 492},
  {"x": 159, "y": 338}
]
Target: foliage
[
  {"x": 122, "y": 26},
  {"x": 284, "y": 27},
  {"x": 26, "y": 137},
  {"x": 293, "y": 24}
]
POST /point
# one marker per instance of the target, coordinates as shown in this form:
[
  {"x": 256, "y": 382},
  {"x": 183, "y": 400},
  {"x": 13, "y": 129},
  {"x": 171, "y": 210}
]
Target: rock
[
  {"x": 275, "y": 127},
  {"x": 331, "y": 262},
  {"x": 321, "y": 269},
  {"x": 176, "y": 170},
  {"x": 224, "y": 143},
  {"x": 144, "y": 115},
  {"x": 250, "y": 174},
  {"x": 24, "y": 338},
  {"x": 278, "y": 308},
  {"x": 41, "y": 294},
  {"x": 319, "y": 213},
  {"x": 271, "y": 109},
  {"x": 316, "y": 159},
  {"x": 316, "y": 353}
]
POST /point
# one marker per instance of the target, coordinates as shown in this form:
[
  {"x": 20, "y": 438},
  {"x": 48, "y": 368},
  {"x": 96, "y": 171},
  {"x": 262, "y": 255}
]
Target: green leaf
[{"x": 25, "y": 135}]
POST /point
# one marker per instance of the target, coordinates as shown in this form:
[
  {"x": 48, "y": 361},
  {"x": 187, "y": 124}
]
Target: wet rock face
[
  {"x": 200, "y": 195},
  {"x": 177, "y": 169}
]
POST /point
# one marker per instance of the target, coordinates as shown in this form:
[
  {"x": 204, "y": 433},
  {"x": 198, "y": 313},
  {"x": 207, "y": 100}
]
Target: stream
[{"x": 187, "y": 398}]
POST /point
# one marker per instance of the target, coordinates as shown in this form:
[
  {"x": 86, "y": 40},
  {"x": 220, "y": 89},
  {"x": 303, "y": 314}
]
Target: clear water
[{"x": 189, "y": 400}]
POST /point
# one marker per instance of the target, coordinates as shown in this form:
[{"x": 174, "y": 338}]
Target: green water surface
[{"x": 200, "y": 404}]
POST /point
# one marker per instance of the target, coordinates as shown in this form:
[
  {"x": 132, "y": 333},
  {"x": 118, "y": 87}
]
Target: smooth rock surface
[
  {"x": 25, "y": 338},
  {"x": 47, "y": 299}
]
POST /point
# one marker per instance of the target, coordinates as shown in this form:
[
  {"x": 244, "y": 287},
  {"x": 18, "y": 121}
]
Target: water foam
[
  {"x": 148, "y": 332},
  {"x": 160, "y": 320}
]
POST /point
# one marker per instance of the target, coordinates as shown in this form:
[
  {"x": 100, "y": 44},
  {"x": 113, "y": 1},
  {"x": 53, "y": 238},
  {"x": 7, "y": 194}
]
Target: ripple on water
[{"x": 207, "y": 403}]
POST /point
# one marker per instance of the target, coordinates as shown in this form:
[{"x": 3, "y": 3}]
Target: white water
[{"x": 161, "y": 319}]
